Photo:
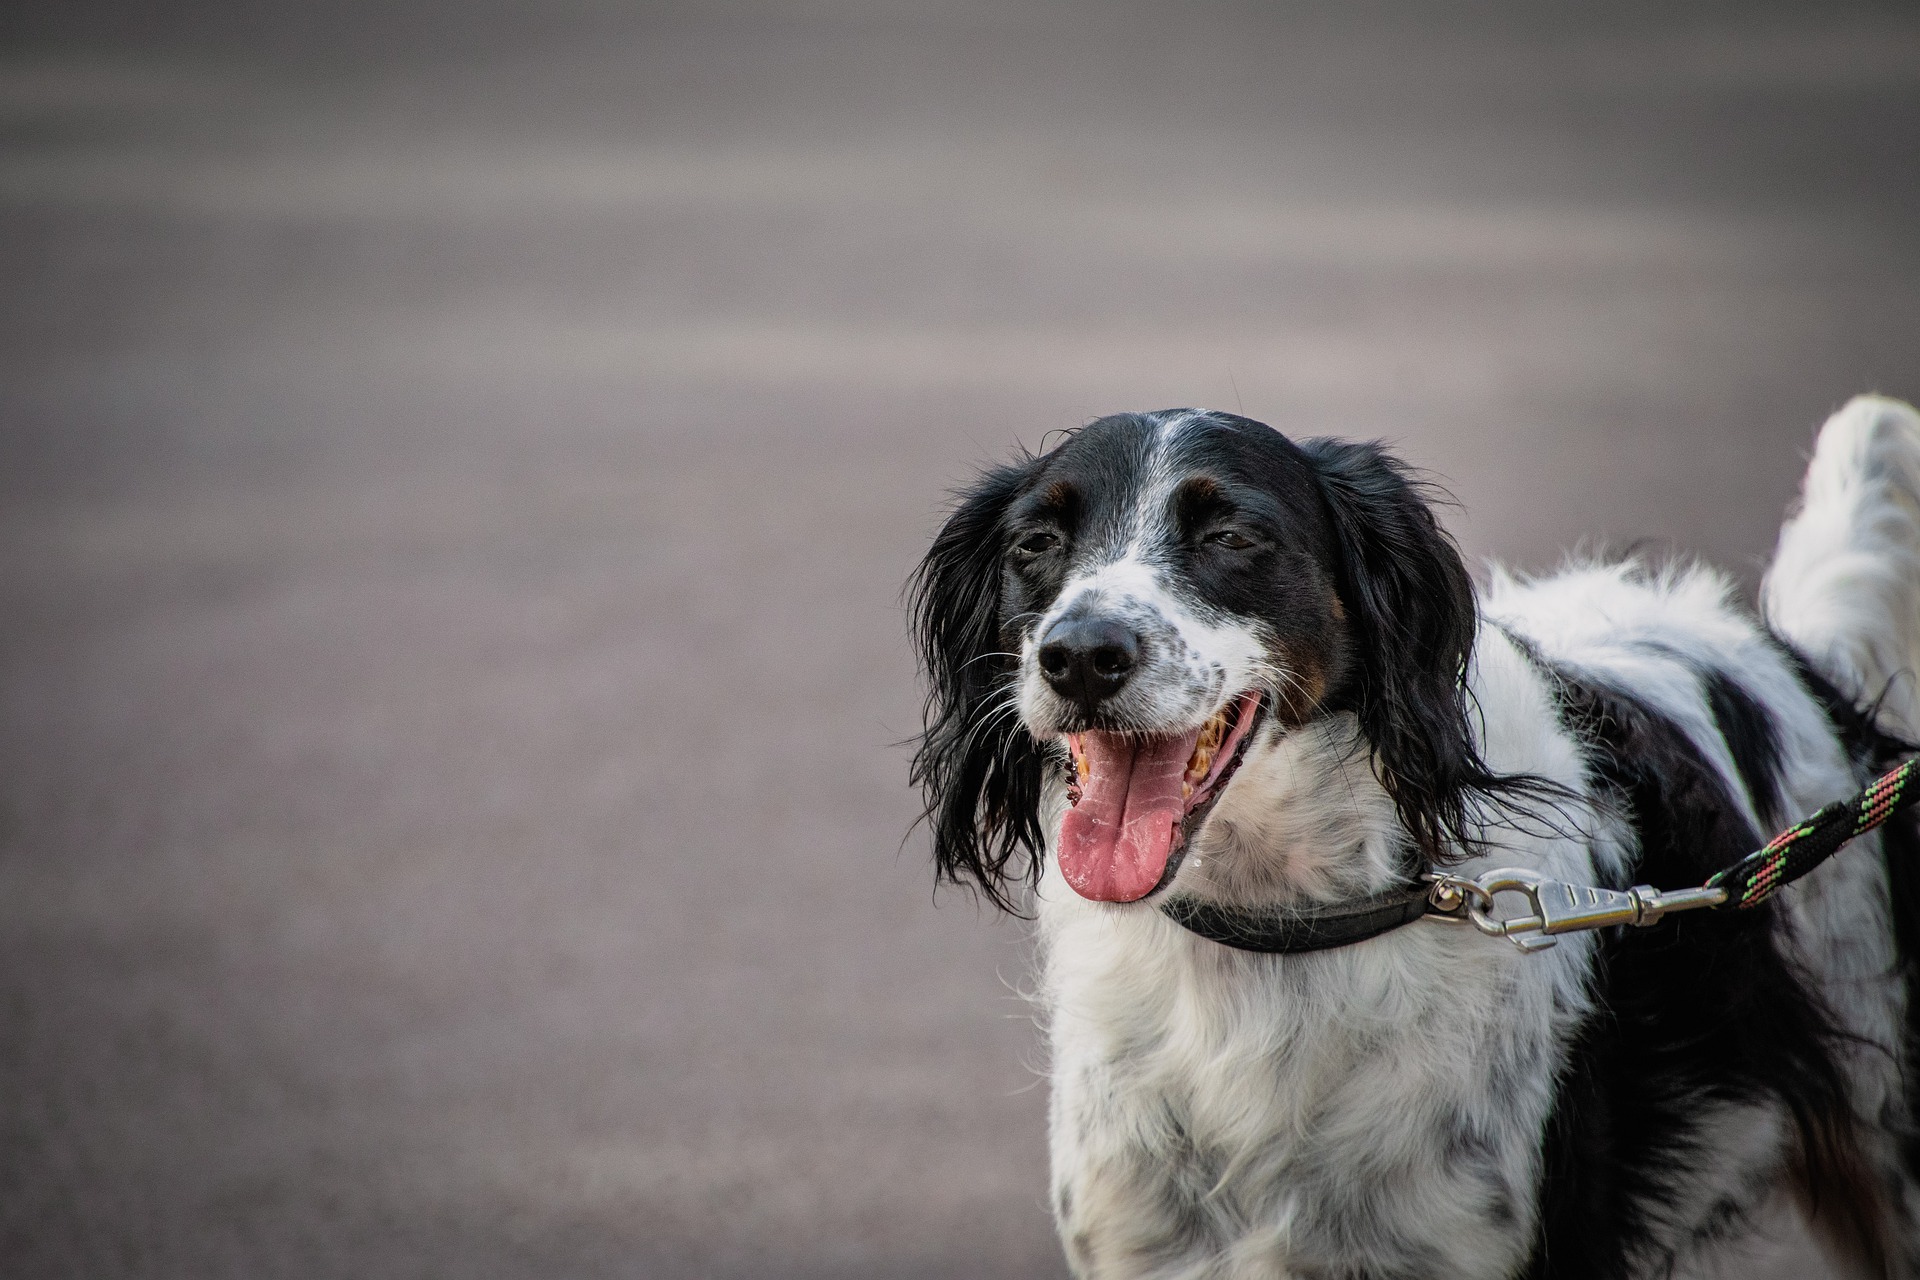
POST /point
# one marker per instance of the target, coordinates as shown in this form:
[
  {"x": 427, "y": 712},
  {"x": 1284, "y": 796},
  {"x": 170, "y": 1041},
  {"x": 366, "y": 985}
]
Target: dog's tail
[{"x": 1844, "y": 587}]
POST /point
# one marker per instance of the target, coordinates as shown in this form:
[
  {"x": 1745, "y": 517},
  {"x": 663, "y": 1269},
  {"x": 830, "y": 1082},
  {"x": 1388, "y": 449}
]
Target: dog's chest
[{"x": 1233, "y": 1115}]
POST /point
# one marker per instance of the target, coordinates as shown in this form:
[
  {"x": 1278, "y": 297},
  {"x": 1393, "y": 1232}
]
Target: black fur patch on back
[
  {"x": 1698, "y": 1010},
  {"x": 1751, "y": 739},
  {"x": 1744, "y": 726}
]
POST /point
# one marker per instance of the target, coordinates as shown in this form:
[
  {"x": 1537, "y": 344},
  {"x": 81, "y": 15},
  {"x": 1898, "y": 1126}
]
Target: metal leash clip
[{"x": 1554, "y": 907}]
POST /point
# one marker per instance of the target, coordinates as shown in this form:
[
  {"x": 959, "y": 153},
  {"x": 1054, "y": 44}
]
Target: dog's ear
[
  {"x": 1410, "y": 605},
  {"x": 977, "y": 766}
]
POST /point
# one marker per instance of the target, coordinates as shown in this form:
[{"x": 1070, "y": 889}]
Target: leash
[{"x": 1554, "y": 907}]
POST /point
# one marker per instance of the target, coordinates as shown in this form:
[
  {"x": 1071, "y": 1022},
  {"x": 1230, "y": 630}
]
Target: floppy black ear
[
  {"x": 978, "y": 767},
  {"x": 1411, "y": 609}
]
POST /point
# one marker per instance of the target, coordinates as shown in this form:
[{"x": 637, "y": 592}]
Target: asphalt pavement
[{"x": 458, "y": 467}]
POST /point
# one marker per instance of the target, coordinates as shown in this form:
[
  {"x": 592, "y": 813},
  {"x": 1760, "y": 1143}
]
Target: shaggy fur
[{"x": 1433, "y": 1102}]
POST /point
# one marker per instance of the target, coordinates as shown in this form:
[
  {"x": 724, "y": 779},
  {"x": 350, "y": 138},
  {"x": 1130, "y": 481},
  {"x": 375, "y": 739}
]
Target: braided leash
[
  {"x": 1554, "y": 907},
  {"x": 1810, "y": 842}
]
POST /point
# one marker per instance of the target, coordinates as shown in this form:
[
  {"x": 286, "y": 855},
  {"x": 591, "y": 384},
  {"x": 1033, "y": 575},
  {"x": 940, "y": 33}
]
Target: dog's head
[{"x": 1157, "y": 598}]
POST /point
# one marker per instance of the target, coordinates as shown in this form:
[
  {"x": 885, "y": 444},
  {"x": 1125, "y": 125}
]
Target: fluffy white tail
[{"x": 1844, "y": 586}]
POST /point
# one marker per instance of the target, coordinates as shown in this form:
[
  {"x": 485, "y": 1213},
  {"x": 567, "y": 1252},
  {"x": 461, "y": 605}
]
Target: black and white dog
[{"x": 1182, "y": 659}]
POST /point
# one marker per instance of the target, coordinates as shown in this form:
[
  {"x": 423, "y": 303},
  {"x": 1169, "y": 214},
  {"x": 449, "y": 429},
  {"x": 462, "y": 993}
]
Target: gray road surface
[{"x": 458, "y": 464}]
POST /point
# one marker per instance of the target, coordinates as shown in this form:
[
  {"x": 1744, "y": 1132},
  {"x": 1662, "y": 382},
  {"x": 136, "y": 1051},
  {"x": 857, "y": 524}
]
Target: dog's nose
[{"x": 1088, "y": 659}]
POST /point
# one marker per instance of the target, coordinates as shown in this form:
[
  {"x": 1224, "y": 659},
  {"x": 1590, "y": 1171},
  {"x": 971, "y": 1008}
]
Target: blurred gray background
[{"x": 458, "y": 463}]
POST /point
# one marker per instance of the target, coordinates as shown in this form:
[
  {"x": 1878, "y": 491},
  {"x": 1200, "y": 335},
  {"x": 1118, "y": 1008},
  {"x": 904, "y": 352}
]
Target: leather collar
[{"x": 1286, "y": 931}]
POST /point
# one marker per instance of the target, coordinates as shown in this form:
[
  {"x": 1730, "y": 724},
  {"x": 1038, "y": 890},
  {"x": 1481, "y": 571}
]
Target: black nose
[{"x": 1088, "y": 659}]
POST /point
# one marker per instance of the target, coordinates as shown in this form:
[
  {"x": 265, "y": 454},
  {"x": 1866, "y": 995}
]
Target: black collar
[{"x": 1284, "y": 931}]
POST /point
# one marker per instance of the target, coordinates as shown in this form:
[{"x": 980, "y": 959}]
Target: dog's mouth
[{"x": 1137, "y": 798}]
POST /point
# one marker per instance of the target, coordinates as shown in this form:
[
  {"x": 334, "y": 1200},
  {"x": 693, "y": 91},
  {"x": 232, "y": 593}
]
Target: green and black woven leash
[{"x": 1811, "y": 841}]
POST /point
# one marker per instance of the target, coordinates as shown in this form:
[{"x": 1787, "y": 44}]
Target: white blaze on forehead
[{"x": 1149, "y": 524}]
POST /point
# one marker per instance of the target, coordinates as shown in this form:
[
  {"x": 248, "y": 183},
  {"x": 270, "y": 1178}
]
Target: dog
[{"x": 1186, "y": 674}]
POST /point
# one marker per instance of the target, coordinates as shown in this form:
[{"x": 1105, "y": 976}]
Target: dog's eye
[
  {"x": 1232, "y": 539},
  {"x": 1039, "y": 542}
]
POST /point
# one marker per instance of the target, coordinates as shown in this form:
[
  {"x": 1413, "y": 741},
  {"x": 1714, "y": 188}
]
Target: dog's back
[{"x": 1712, "y": 734}]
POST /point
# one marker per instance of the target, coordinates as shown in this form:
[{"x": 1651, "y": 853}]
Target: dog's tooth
[
  {"x": 1212, "y": 731},
  {"x": 1084, "y": 769}
]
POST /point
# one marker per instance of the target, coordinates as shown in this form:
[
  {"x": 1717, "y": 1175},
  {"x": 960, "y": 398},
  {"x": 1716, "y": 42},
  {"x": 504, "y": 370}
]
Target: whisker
[
  {"x": 979, "y": 656},
  {"x": 1008, "y": 704}
]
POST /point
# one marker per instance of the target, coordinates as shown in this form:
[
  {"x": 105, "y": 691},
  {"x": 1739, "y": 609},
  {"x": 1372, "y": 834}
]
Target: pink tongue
[{"x": 1115, "y": 843}]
